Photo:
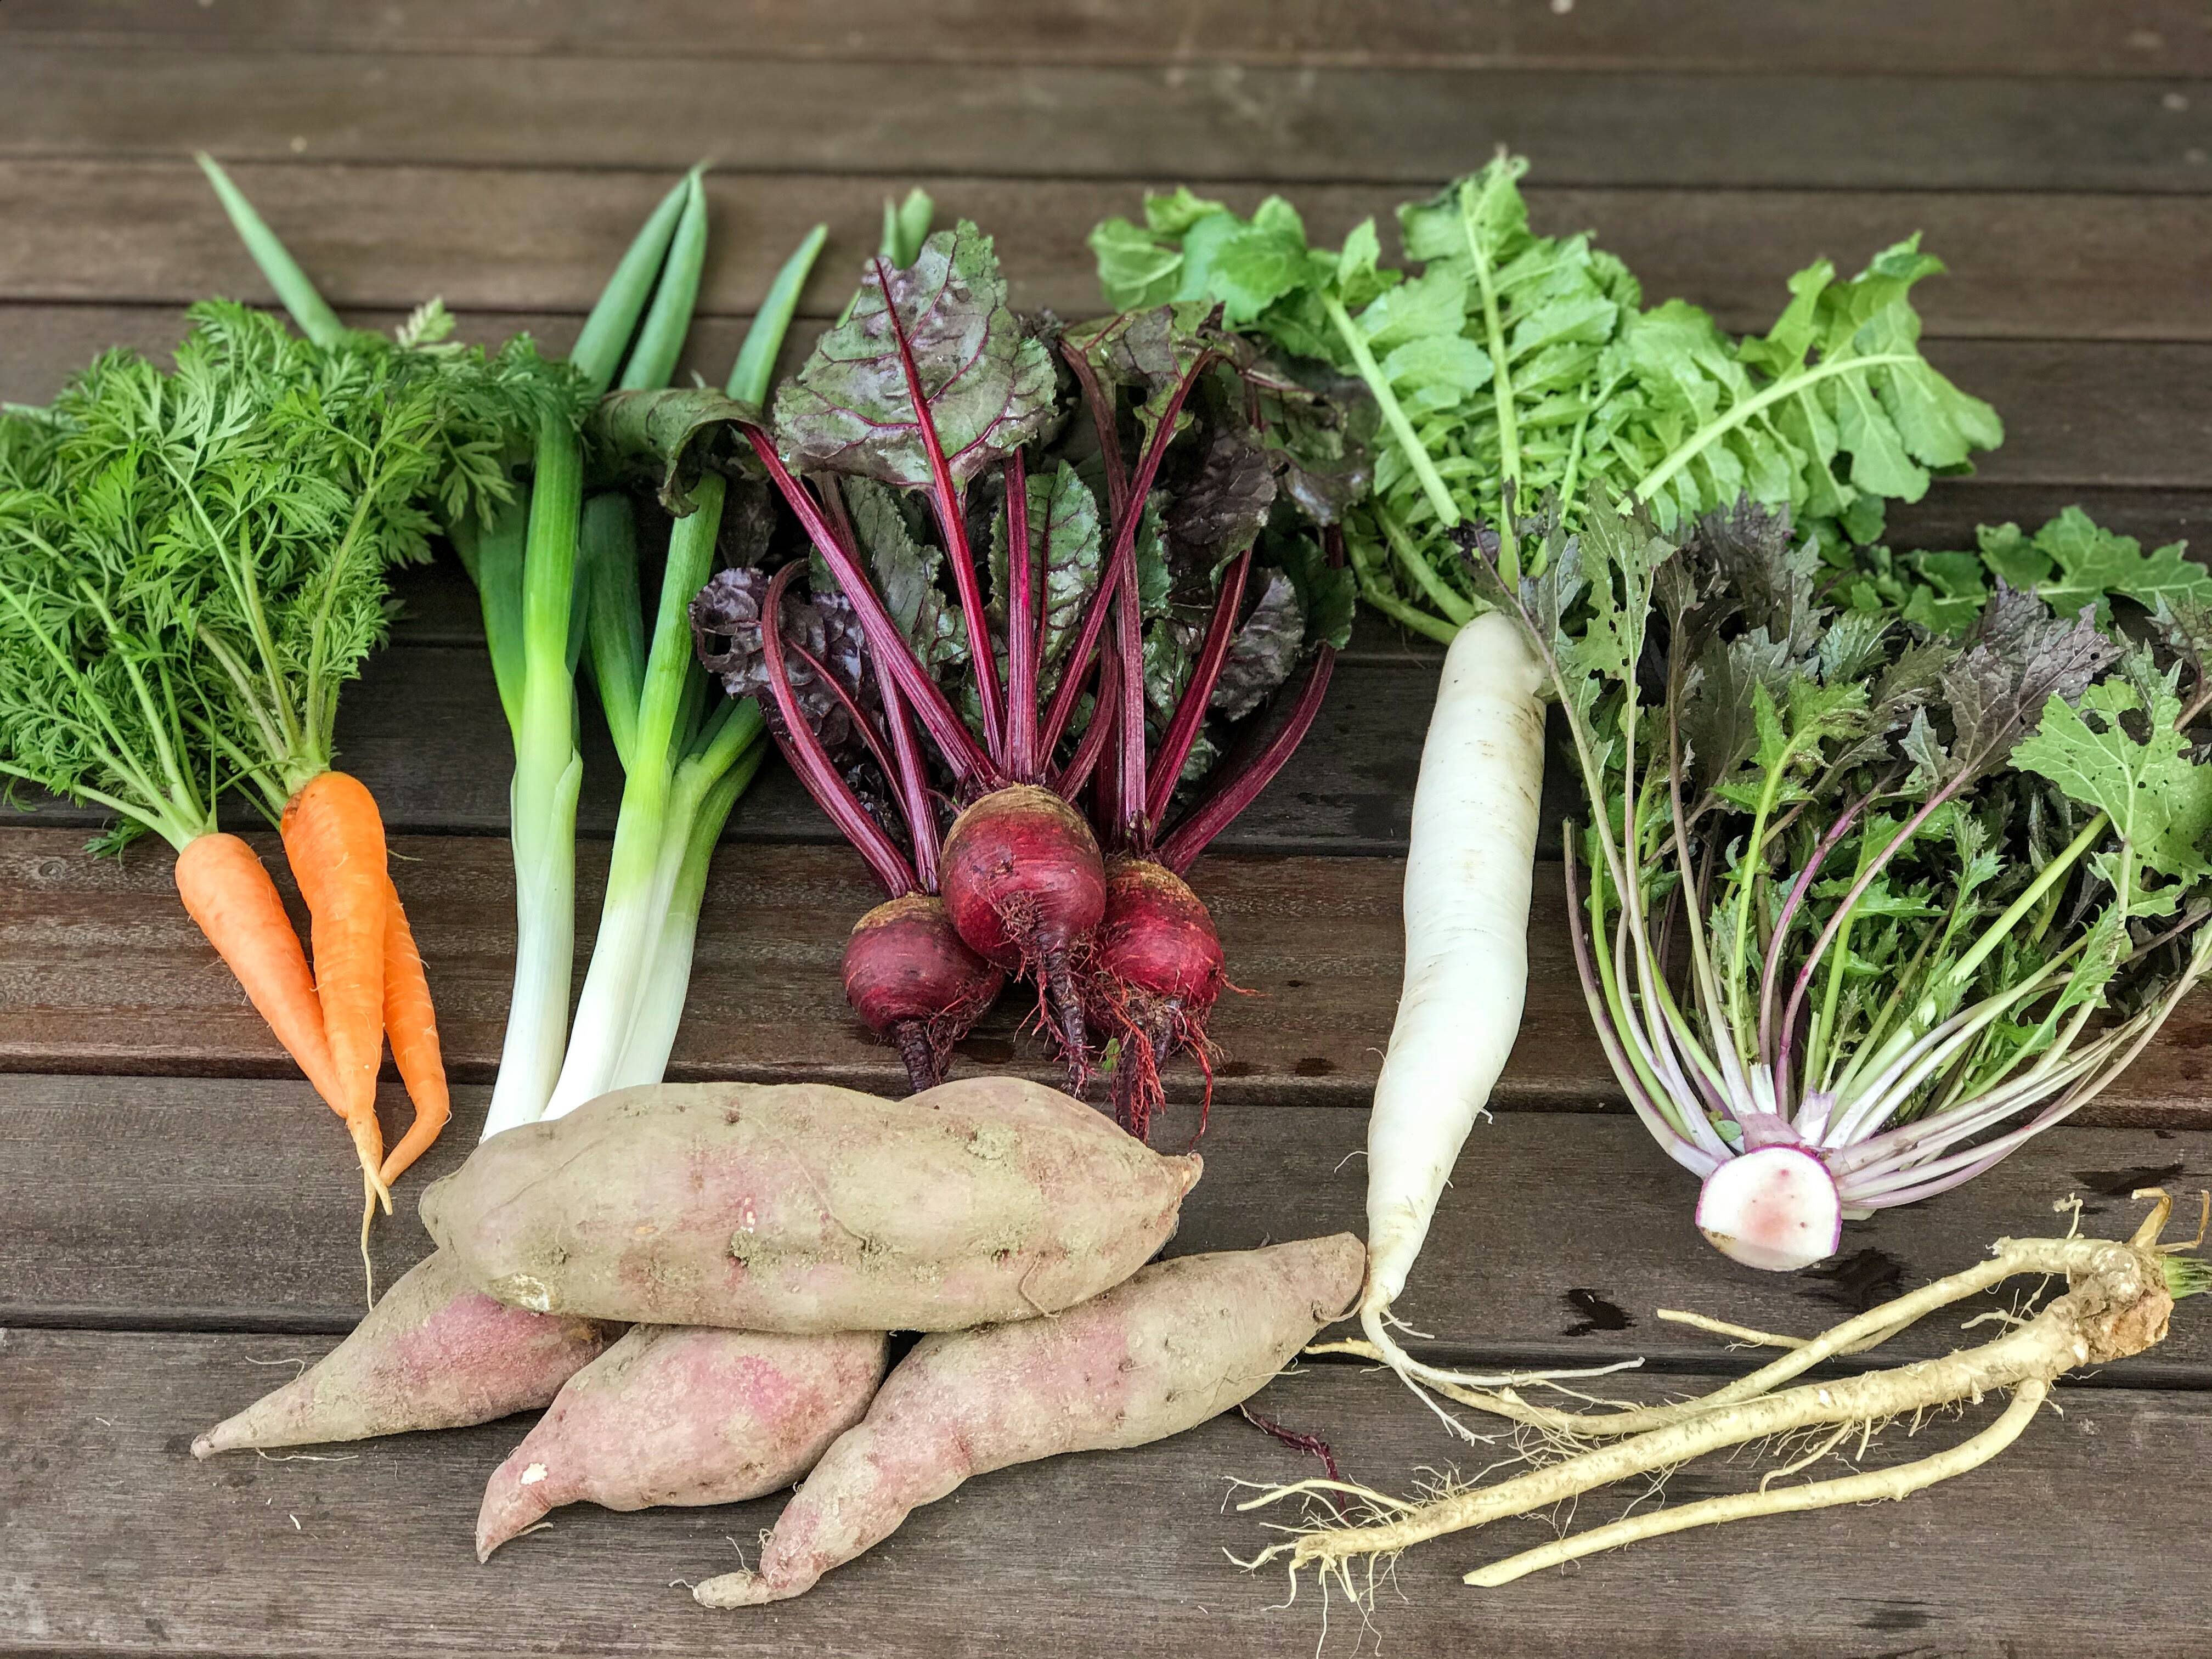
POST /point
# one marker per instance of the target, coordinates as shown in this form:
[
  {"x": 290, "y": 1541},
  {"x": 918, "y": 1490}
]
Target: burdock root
[{"x": 2117, "y": 1298}]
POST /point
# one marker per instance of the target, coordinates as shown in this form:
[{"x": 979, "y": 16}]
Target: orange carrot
[
  {"x": 411, "y": 1024},
  {"x": 228, "y": 892},
  {"x": 334, "y": 839}
]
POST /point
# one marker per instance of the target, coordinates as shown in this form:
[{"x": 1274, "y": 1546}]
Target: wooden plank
[
  {"x": 1559, "y": 1237},
  {"x": 2094, "y": 415},
  {"x": 101, "y": 972},
  {"x": 118, "y": 1540},
  {"x": 1201, "y": 121},
  {"x": 1998, "y": 37},
  {"x": 543, "y": 240},
  {"x": 423, "y": 728},
  {"x": 438, "y": 607}
]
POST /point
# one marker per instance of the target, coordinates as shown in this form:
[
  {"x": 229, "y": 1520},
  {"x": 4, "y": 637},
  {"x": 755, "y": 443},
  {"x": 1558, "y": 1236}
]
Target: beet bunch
[{"x": 1064, "y": 601}]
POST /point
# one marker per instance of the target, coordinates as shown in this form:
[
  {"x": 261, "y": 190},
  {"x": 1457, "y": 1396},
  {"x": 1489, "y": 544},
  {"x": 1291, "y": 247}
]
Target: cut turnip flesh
[{"x": 1776, "y": 1208}]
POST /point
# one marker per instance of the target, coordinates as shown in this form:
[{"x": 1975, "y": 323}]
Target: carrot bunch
[{"x": 192, "y": 564}]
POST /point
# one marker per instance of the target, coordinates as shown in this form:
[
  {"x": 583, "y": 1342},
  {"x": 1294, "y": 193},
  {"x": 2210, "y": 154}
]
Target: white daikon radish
[{"x": 1469, "y": 871}]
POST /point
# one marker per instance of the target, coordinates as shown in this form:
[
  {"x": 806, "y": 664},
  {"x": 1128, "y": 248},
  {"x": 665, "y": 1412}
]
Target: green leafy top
[
  {"x": 213, "y": 540},
  {"x": 1909, "y": 871},
  {"x": 1513, "y": 366},
  {"x": 2070, "y": 563},
  {"x": 941, "y": 324}
]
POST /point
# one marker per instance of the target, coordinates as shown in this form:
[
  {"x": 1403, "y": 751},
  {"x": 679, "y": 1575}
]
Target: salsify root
[{"x": 2116, "y": 1304}]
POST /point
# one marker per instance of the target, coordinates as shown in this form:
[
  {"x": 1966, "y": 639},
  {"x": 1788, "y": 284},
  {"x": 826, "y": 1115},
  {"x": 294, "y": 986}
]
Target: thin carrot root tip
[{"x": 2117, "y": 1302}]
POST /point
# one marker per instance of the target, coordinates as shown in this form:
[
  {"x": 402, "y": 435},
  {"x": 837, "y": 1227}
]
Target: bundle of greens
[
  {"x": 2070, "y": 562},
  {"x": 193, "y": 564},
  {"x": 1935, "y": 894},
  {"x": 560, "y": 576},
  {"x": 1156, "y": 472},
  {"x": 1516, "y": 367}
]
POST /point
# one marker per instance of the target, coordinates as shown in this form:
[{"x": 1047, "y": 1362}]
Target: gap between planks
[
  {"x": 1220, "y": 123},
  {"x": 2070, "y": 38}
]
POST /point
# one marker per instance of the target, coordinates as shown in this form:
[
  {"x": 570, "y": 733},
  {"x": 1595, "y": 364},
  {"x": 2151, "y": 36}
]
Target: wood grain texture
[
  {"x": 2073, "y": 266},
  {"x": 424, "y": 729},
  {"x": 100, "y": 971},
  {"x": 1197, "y": 121},
  {"x": 1999, "y": 37},
  {"x": 1559, "y": 1237},
  {"x": 118, "y": 1541}
]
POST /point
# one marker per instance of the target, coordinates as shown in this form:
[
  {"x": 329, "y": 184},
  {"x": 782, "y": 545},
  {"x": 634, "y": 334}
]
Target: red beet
[
  {"x": 910, "y": 978},
  {"x": 1024, "y": 883},
  {"x": 1155, "y": 972}
]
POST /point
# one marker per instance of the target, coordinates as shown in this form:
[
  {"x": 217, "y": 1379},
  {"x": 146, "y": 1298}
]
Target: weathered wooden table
[{"x": 175, "y": 1213}]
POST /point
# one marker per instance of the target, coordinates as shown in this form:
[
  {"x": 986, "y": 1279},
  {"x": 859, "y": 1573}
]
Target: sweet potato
[
  {"x": 435, "y": 1353},
  {"x": 805, "y": 1208},
  {"x": 684, "y": 1414},
  {"x": 1182, "y": 1340}
]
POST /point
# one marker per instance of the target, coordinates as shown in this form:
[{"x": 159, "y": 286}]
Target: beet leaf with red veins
[{"x": 1131, "y": 682}]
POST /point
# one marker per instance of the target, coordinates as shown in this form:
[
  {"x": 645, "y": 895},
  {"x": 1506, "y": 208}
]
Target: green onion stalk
[
  {"x": 557, "y": 573},
  {"x": 686, "y": 757}
]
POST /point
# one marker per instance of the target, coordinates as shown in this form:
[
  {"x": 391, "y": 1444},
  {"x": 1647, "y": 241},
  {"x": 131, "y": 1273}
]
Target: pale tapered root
[
  {"x": 2118, "y": 1302},
  {"x": 1466, "y": 1387},
  {"x": 1874, "y": 1486}
]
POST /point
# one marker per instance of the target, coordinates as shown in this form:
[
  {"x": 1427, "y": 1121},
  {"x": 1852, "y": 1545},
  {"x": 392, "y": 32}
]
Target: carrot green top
[{"x": 192, "y": 560}]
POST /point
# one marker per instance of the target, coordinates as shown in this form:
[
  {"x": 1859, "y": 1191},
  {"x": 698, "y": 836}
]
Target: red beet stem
[
  {"x": 953, "y": 520},
  {"x": 1122, "y": 559},
  {"x": 1190, "y": 713},
  {"x": 861, "y": 721},
  {"x": 1130, "y": 827},
  {"x": 1232, "y": 794},
  {"x": 912, "y": 781},
  {"x": 945, "y": 729},
  {"x": 909, "y": 977},
  {"x": 812, "y": 761},
  {"x": 1070, "y": 780},
  {"x": 1023, "y": 648},
  {"x": 1024, "y": 885},
  {"x": 1237, "y": 786},
  {"x": 1101, "y": 419}
]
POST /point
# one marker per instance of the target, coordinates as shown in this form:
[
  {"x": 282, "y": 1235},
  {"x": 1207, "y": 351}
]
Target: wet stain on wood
[
  {"x": 2118, "y": 1183},
  {"x": 1592, "y": 1314},
  {"x": 1859, "y": 1281}
]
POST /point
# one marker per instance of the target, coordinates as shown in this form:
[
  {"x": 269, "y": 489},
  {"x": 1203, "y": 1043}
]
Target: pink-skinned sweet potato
[
  {"x": 684, "y": 1415},
  {"x": 805, "y": 1208},
  {"x": 1180, "y": 1342},
  {"x": 434, "y": 1352}
]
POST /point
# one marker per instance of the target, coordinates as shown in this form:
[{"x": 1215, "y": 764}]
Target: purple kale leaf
[
  {"x": 1264, "y": 650},
  {"x": 1219, "y": 511},
  {"x": 726, "y": 627}
]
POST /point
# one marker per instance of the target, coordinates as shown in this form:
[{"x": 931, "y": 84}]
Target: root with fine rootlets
[
  {"x": 1148, "y": 1031},
  {"x": 2117, "y": 1298}
]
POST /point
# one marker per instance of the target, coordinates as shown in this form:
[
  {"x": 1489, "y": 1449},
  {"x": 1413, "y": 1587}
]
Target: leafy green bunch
[
  {"x": 1513, "y": 367},
  {"x": 1252, "y": 461},
  {"x": 2070, "y": 563},
  {"x": 1935, "y": 893},
  {"x": 192, "y": 559}
]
